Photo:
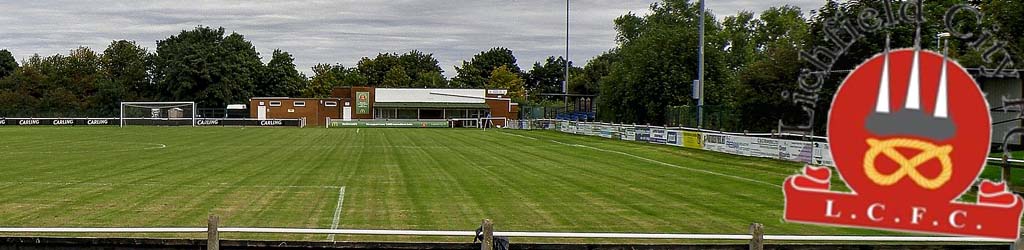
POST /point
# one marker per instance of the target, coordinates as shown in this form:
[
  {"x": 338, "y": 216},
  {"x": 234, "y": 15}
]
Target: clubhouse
[{"x": 406, "y": 104}]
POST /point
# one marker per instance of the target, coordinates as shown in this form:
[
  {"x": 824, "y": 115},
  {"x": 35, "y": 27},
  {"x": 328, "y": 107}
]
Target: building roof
[
  {"x": 430, "y": 105},
  {"x": 389, "y": 95}
]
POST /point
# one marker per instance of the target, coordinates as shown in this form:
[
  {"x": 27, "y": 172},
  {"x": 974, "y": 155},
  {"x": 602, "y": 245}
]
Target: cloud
[
  {"x": 337, "y": 31},
  {"x": 723, "y": 9}
]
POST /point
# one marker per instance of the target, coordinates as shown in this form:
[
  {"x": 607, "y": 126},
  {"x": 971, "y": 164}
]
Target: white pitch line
[
  {"x": 670, "y": 165},
  {"x": 161, "y": 146},
  {"x": 521, "y": 136},
  {"x": 357, "y": 130},
  {"x": 337, "y": 212},
  {"x": 155, "y": 146}
]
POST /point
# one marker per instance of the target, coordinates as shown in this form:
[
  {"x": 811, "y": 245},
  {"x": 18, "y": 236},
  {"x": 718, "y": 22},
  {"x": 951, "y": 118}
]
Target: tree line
[
  {"x": 753, "y": 61},
  {"x": 214, "y": 69},
  {"x": 752, "y": 65}
]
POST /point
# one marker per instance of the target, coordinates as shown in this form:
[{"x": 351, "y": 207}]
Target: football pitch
[{"x": 426, "y": 179}]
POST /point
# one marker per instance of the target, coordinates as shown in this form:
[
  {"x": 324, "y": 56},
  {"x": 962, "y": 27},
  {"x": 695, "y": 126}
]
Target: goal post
[
  {"x": 488, "y": 122},
  {"x": 158, "y": 113},
  {"x": 464, "y": 122}
]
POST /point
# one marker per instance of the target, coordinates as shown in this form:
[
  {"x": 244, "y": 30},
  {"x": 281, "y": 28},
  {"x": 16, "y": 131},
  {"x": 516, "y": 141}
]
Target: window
[
  {"x": 331, "y": 104},
  {"x": 385, "y": 114},
  {"x": 299, "y": 103},
  {"x": 408, "y": 114},
  {"x": 275, "y": 103}
]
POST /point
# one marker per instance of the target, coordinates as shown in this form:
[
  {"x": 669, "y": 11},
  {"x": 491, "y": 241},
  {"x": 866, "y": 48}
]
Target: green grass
[{"x": 430, "y": 179}]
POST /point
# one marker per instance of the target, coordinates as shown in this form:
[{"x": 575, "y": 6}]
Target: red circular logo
[{"x": 918, "y": 145}]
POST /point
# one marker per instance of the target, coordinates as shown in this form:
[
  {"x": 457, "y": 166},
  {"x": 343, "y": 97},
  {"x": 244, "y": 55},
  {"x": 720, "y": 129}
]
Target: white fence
[
  {"x": 803, "y": 148},
  {"x": 749, "y": 144}
]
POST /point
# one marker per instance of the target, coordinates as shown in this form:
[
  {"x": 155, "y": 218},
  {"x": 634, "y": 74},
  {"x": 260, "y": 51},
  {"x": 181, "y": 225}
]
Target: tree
[
  {"x": 1008, "y": 15},
  {"x": 376, "y": 68},
  {"x": 325, "y": 77},
  {"x": 7, "y": 63},
  {"x": 589, "y": 79},
  {"x": 475, "y": 72},
  {"x": 205, "y": 66},
  {"x": 396, "y": 78},
  {"x": 503, "y": 78},
  {"x": 126, "y": 67},
  {"x": 430, "y": 80},
  {"x": 20, "y": 92},
  {"x": 280, "y": 78},
  {"x": 548, "y": 77},
  {"x": 629, "y": 27},
  {"x": 740, "y": 32},
  {"x": 419, "y": 70},
  {"x": 778, "y": 36},
  {"x": 423, "y": 70},
  {"x": 57, "y": 85},
  {"x": 79, "y": 76},
  {"x": 350, "y": 77},
  {"x": 658, "y": 62}
]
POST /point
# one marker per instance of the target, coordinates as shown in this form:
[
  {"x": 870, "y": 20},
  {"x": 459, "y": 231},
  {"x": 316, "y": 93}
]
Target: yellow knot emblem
[{"x": 908, "y": 167}]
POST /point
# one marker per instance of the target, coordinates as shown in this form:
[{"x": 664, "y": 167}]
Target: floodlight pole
[
  {"x": 700, "y": 69},
  {"x": 565, "y": 84}
]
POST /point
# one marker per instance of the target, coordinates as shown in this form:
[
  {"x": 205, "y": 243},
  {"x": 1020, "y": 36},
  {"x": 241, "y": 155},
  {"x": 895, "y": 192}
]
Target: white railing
[{"x": 820, "y": 153}]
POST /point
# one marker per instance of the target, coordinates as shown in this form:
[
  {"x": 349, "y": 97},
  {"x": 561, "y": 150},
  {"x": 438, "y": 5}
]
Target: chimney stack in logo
[{"x": 936, "y": 126}]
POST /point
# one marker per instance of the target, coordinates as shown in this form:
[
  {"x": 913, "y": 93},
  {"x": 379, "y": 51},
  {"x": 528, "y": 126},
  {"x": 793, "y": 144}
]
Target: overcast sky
[{"x": 339, "y": 31}]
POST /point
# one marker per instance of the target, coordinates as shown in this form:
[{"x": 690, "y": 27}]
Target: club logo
[{"x": 910, "y": 132}]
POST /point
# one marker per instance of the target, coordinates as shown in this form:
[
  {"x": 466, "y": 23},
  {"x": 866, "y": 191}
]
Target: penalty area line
[
  {"x": 520, "y": 136},
  {"x": 669, "y": 164},
  {"x": 337, "y": 212}
]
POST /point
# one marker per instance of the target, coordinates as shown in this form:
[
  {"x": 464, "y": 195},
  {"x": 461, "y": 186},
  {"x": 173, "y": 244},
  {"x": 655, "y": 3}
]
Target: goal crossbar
[{"x": 192, "y": 119}]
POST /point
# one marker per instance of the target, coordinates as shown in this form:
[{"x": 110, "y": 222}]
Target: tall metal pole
[
  {"x": 565, "y": 84},
  {"x": 700, "y": 69}
]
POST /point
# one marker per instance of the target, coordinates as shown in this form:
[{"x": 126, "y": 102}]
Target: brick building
[
  {"x": 314, "y": 110},
  {"x": 370, "y": 103}
]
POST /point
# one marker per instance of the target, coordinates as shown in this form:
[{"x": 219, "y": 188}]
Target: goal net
[
  {"x": 158, "y": 113},
  {"x": 492, "y": 122}
]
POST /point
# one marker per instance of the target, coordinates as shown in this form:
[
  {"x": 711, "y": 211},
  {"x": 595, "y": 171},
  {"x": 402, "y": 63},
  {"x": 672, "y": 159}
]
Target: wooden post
[
  {"x": 212, "y": 235},
  {"x": 757, "y": 231},
  {"x": 1006, "y": 170},
  {"x": 488, "y": 233}
]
